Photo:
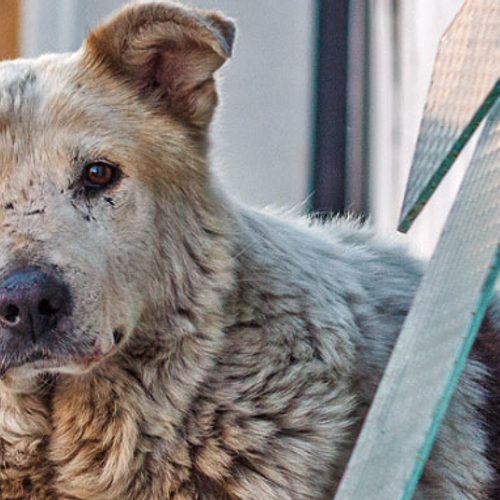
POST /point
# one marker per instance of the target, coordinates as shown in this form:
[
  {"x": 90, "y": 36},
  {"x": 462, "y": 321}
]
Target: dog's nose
[{"x": 32, "y": 302}]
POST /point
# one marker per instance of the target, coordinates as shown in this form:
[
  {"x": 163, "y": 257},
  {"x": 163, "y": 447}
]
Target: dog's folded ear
[{"x": 168, "y": 52}]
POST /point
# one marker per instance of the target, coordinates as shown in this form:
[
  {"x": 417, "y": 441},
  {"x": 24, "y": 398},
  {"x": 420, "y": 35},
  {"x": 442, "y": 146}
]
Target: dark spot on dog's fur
[
  {"x": 118, "y": 335},
  {"x": 40, "y": 211},
  {"x": 77, "y": 193},
  {"x": 27, "y": 484},
  {"x": 9, "y": 206},
  {"x": 186, "y": 313},
  {"x": 76, "y": 157},
  {"x": 86, "y": 216},
  {"x": 109, "y": 200},
  {"x": 209, "y": 232}
]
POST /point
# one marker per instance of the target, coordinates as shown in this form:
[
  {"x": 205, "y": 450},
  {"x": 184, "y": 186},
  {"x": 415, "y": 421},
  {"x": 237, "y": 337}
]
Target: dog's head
[{"x": 100, "y": 152}]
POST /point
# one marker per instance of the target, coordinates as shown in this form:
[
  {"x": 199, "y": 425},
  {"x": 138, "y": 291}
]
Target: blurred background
[{"x": 321, "y": 103}]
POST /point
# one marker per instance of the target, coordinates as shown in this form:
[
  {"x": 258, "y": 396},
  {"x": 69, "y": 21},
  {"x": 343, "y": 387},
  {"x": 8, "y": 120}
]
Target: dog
[{"x": 158, "y": 340}]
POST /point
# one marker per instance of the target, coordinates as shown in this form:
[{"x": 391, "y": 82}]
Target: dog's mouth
[
  {"x": 39, "y": 361},
  {"x": 77, "y": 359}
]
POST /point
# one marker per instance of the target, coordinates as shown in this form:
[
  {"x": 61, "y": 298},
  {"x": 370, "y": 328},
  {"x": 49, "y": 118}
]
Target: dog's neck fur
[{"x": 142, "y": 397}]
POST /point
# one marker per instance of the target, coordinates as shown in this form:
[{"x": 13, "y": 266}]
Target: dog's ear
[{"x": 168, "y": 52}]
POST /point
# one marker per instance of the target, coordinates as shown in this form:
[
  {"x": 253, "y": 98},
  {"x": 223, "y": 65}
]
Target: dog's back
[{"x": 320, "y": 309}]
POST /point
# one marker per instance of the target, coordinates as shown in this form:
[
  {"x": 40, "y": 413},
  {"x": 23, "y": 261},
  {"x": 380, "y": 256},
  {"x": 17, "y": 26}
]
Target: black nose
[{"x": 32, "y": 302}]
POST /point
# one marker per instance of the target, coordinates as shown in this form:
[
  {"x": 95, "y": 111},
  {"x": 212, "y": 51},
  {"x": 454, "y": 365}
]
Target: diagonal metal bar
[
  {"x": 436, "y": 338},
  {"x": 465, "y": 85}
]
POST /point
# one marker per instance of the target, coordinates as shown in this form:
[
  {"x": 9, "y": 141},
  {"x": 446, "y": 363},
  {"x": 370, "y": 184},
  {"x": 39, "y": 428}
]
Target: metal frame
[{"x": 329, "y": 155}]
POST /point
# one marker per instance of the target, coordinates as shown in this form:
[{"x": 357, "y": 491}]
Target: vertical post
[
  {"x": 329, "y": 155},
  {"x": 358, "y": 91}
]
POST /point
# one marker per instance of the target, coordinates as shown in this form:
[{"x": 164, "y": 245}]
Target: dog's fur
[{"x": 252, "y": 345}]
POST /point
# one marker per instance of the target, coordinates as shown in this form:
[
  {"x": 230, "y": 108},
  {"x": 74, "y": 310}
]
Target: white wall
[
  {"x": 263, "y": 130},
  {"x": 403, "y": 48}
]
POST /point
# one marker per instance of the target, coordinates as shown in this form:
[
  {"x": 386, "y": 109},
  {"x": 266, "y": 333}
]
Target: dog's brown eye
[{"x": 99, "y": 175}]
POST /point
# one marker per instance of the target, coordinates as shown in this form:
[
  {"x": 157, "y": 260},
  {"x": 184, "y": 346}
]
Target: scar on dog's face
[{"x": 97, "y": 150}]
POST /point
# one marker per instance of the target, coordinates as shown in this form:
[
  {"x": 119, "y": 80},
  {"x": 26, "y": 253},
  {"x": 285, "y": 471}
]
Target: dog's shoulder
[{"x": 319, "y": 308}]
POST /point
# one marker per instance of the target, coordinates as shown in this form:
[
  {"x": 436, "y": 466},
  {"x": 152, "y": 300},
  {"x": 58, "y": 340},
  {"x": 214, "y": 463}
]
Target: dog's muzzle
[{"x": 32, "y": 303}]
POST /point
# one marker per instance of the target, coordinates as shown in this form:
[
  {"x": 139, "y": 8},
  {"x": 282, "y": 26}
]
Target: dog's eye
[{"x": 100, "y": 175}]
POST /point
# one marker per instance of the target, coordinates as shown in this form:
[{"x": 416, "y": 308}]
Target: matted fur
[{"x": 252, "y": 343}]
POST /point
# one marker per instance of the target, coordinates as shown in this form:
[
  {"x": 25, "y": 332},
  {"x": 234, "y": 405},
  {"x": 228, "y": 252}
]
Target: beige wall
[{"x": 8, "y": 29}]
